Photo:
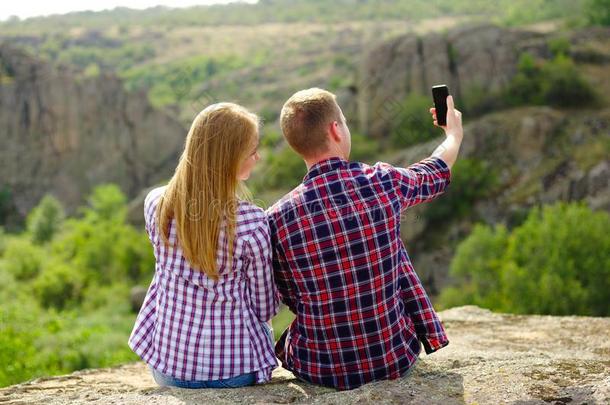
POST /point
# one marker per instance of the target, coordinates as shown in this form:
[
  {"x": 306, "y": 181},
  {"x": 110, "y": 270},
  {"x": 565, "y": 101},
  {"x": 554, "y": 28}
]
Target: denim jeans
[{"x": 242, "y": 380}]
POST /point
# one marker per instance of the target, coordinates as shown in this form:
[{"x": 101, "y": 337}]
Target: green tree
[
  {"x": 58, "y": 285},
  {"x": 44, "y": 220},
  {"x": 101, "y": 245},
  {"x": 598, "y": 12},
  {"x": 556, "y": 82},
  {"x": 472, "y": 180},
  {"x": 22, "y": 259},
  {"x": 557, "y": 262}
]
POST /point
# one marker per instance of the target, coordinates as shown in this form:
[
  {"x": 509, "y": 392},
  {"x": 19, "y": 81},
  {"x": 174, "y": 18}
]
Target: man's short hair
[{"x": 305, "y": 119}]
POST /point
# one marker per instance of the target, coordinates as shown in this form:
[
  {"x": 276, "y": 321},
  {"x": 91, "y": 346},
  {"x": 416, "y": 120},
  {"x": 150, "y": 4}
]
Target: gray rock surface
[
  {"x": 492, "y": 359},
  {"x": 63, "y": 133},
  {"x": 475, "y": 61}
]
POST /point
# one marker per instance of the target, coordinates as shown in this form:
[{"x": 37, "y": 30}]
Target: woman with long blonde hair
[{"x": 203, "y": 321}]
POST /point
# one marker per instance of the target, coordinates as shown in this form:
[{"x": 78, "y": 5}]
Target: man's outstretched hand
[{"x": 454, "y": 120}]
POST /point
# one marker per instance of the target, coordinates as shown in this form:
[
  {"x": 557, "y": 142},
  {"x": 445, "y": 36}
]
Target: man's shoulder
[{"x": 287, "y": 202}]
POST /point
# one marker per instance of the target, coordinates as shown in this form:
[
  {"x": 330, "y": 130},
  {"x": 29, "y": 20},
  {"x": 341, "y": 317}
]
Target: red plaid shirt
[{"x": 342, "y": 268}]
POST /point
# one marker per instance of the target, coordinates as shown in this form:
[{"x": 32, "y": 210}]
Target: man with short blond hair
[
  {"x": 304, "y": 120},
  {"x": 339, "y": 262}
]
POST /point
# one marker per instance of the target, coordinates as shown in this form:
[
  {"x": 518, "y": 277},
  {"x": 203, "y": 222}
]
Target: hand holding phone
[
  {"x": 444, "y": 113},
  {"x": 439, "y": 95}
]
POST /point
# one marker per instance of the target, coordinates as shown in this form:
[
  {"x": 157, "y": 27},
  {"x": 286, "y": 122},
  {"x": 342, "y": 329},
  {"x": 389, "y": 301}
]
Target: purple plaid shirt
[
  {"x": 193, "y": 328},
  {"x": 342, "y": 268}
]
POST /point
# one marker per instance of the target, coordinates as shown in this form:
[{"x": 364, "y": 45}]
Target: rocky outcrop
[
  {"x": 476, "y": 62},
  {"x": 539, "y": 155},
  {"x": 492, "y": 359},
  {"x": 63, "y": 133}
]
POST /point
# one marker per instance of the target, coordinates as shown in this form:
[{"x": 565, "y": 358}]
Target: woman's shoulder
[
  {"x": 251, "y": 216},
  {"x": 153, "y": 195}
]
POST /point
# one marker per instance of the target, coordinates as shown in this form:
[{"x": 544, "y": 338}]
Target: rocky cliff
[
  {"x": 63, "y": 133},
  {"x": 538, "y": 155},
  {"x": 475, "y": 61},
  {"x": 492, "y": 359}
]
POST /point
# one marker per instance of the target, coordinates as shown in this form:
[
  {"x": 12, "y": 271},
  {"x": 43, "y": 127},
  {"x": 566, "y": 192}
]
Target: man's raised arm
[{"x": 448, "y": 150}]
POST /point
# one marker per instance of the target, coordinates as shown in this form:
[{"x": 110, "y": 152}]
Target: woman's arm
[{"x": 262, "y": 290}]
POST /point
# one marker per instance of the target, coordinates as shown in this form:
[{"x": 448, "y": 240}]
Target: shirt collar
[{"x": 324, "y": 166}]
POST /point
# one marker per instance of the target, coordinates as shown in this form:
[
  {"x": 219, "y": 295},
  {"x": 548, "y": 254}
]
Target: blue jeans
[
  {"x": 242, "y": 380},
  {"x": 233, "y": 382}
]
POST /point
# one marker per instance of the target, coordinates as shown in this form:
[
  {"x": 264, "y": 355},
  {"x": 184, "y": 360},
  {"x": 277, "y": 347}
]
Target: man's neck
[{"x": 315, "y": 160}]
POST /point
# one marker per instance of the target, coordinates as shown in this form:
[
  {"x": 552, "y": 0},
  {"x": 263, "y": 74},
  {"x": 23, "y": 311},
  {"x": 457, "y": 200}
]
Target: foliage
[
  {"x": 283, "y": 169},
  {"x": 557, "y": 262},
  {"x": 9, "y": 217},
  {"x": 80, "y": 281},
  {"x": 412, "y": 122},
  {"x": 45, "y": 219},
  {"x": 598, "y": 12},
  {"x": 176, "y": 81},
  {"x": 58, "y": 285},
  {"x": 22, "y": 259},
  {"x": 364, "y": 148},
  {"x": 556, "y": 82},
  {"x": 513, "y": 12},
  {"x": 471, "y": 180}
]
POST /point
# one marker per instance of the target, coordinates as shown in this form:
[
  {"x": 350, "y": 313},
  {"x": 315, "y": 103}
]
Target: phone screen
[{"x": 439, "y": 95}]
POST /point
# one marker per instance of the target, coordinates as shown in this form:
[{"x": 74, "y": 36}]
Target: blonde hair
[
  {"x": 202, "y": 194},
  {"x": 305, "y": 118}
]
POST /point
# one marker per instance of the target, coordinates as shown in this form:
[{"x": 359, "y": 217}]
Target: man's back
[{"x": 342, "y": 268}]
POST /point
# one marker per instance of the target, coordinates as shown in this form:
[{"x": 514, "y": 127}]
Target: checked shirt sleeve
[
  {"x": 263, "y": 294},
  {"x": 422, "y": 181},
  {"x": 428, "y": 326},
  {"x": 281, "y": 272}
]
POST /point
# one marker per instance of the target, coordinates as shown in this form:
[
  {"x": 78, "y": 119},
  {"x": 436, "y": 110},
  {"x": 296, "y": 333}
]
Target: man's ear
[{"x": 335, "y": 132}]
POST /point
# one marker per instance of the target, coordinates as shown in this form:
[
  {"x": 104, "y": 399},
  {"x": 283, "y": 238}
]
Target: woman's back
[{"x": 193, "y": 328}]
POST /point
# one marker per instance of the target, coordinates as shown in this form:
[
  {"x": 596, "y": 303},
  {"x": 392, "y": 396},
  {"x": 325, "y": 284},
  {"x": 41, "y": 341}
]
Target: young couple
[{"x": 330, "y": 250}]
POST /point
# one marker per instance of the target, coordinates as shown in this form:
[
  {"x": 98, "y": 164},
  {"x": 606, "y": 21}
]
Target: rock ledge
[{"x": 492, "y": 359}]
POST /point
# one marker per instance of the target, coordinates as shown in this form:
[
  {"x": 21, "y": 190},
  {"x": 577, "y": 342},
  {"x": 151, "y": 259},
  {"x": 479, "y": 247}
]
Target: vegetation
[
  {"x": 557, "y": 262},
  {"x": 598, "y": 12},
  {"x": 471, "y": 180},
  {"x": 412, "y": 122},
  {"x": 65, "y": 282},
  {"x": 79, "y": 273},
  {"x": 556, "y": 82},
  {"x": 273, "y": 11}
]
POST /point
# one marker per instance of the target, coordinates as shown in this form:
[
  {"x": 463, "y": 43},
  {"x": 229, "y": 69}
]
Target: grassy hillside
[{"x": 254, "y": 54}]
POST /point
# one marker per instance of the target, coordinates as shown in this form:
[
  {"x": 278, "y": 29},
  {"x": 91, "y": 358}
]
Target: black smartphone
[{"x": 440, "y": 94}]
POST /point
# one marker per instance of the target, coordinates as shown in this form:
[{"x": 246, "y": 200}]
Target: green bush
[
  {"x": 598, "y": 12},
  {"x": 3, "y": 241},
  {"x": 17, "y": 351},
  {"x": 556, "y": 82},
  {"x": 283, "y": 169},
  {"x": 363, "y": 148},
  {"x": 58, "y": 285},
  {"x": 412, "y": 122},
  {"x": 45, "y": 219},
  {"x": 564, "y": 86},
  {"x": 101, "y": 245},
  {"x": 557, "y": 262},
  {"x": 471, "y": 180},
  {"x": 22, "y": 259}
]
